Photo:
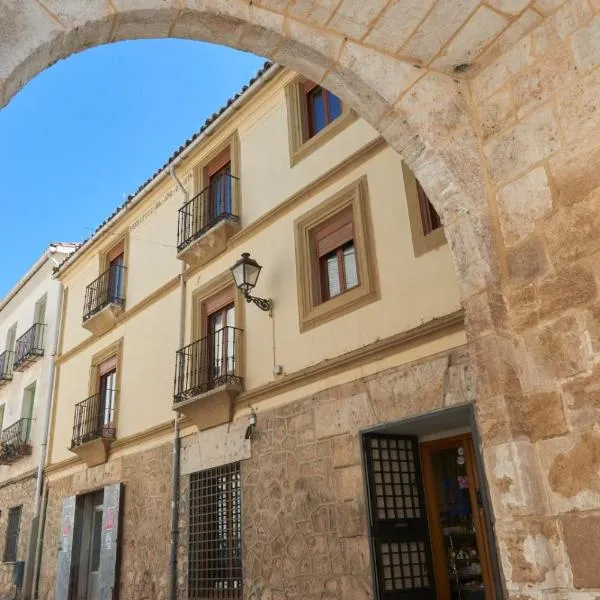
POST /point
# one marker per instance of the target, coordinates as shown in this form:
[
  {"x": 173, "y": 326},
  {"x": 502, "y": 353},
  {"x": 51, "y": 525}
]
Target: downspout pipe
[
  {"x": 32, "y": 574},
  {"x": 174, "y": 538}
]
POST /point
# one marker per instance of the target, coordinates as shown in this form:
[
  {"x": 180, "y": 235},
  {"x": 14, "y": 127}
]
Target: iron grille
[
  {"x": 107, "y": 289},
  {"x": 208, "y": 363},
  {"x": 94, "y": 418},
  {"x": 29, "y": 346},
  {"x": 12, "y": 534},
  {"x": 205, "y": 210},
  {"x": 14, "y": 441},
  {"x": 215, "y": 534},
  {"x": 6, "y": 366}
]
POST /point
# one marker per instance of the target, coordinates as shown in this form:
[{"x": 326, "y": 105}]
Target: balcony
[
  {"x": 29, "y": 347},
  {"x": 104, "y": 300},
  {"x": 207, "y": 221},
  {"x": 14, "y": 442},
  {"x": 94, "y": 428},
  {"x": 6, "y": 367},
  {"x": 207, "y": 378}
]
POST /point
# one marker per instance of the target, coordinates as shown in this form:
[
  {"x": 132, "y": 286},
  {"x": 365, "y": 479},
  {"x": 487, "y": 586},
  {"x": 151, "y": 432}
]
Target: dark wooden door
[{"x": 399, "y": 530}]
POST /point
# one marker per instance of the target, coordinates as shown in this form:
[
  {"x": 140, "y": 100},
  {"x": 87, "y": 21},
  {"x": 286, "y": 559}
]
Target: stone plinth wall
[
  {"x": 21, "y": 492},
  {"x": 304, "y": 515},
  {"x": 145, "y": 521}
]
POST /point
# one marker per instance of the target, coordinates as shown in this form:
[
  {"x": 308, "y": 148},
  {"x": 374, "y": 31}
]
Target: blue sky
[{"x": 87, "y": 132}]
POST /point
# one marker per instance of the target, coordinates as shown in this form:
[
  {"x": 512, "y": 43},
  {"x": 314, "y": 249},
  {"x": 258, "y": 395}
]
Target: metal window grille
[
  {"x": 12, "y": 534},
  {"x": 215, "y": 534}
]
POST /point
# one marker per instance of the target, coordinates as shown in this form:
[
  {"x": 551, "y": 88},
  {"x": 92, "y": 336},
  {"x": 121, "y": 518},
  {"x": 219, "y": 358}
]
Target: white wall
[{"x": 20, "y": 309}]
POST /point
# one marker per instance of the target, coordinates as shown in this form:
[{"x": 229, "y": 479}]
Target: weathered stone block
[
  {"x": 514, "y": 477},
  {"x": 581, "y": 536},
  {"x": 585, "y": 45},
  {"x": 582, "y": 400},
  {"x": 413, "y": 390},
  {"x": 477, "y": 33},
  {"x": 556, "y": 350},
  {"x": 527, "y": 261},
  {"x": 345, "y": 451},
  {"x": 556, "y": 70},
  {"x": 572, "y": 473},
  {"x": 568, "y": 288},
  {"x": 579, "y": 113},
  {"x": 342, "y": 415},
  {"x": 536, "y": 416},
  {"x": 497, "y": 113},
  {"x": 521, "y": 203},
  {"x": 573, "y": 172},
  {"x": 524, "y": 144},
  {"x": 348, "y": 482}
]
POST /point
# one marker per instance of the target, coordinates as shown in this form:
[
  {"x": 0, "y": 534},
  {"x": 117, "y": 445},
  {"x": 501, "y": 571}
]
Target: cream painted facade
[
  {"x": 411, "y": 323},
  {"x": 25, "y": 389}
]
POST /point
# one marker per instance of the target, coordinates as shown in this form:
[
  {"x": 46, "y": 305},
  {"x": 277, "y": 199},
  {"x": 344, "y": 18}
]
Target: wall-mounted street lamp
[{"x": 245, "y": 274}]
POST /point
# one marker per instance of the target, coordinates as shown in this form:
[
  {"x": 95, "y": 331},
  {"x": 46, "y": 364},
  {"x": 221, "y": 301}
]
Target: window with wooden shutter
[
  {"x": 336, "y": 254},
  {"x": 335, "y": 257}
]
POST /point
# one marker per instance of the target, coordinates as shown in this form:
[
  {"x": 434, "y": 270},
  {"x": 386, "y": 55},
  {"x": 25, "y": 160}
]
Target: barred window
[
  {"x": 215, "y": 534},
  {"x": 12, "y": 534}
]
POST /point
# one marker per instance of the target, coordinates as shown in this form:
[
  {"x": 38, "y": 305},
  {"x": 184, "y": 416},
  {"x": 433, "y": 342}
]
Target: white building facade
[{"x": 29, "y": 325}]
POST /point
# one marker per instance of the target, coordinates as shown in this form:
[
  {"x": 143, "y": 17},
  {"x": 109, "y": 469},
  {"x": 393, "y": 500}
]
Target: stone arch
[{"x": 485, "y": 102}]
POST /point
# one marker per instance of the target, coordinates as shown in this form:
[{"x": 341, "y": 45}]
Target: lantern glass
[{"x": 245, "y": 273}]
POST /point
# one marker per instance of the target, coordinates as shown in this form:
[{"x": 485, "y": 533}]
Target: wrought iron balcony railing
[
  {"x": 94, "y": 418},
  {"x": 212, "y": 205},
  {"x": 14, "y": 441},
  {"x": 109, "y": 288},
  {"x": 208, "y": 363},
  {"x": 30, "y": 346},
  {"x": 6, "y": 366}
]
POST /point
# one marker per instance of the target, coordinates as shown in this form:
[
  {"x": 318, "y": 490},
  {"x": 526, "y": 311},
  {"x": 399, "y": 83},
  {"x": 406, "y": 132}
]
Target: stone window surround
[
  {"x": 121, "y": 243},
  {"x": 200, "y": 175},
  {"x": 421, "y": 243},
  {"x": 312, "y": 312},
  {"x": 300, "y": 144},
  {"x": 115, "y": 350}
]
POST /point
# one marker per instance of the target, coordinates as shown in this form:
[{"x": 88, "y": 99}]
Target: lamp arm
[{"x": 262, "y": 303}]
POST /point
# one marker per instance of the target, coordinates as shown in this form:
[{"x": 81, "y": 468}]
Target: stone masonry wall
[
  {"x": 20, "y": 492},
  {"x": 145, "y": 521},
  {"x": 304, "y": 514}
]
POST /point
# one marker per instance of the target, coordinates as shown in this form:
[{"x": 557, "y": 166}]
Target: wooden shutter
[
  {"x": 109, "y": 550},
  {"x": 218, "y": 162},
  {"x": 335, "y": 233},
  {"x": 107, "y": 366},
  {"x": 400, "y": 535},
  {"x": 65, "y": 548}
]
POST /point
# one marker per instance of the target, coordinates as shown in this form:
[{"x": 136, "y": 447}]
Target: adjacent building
[
  {"x": 29, "y": 322},
  {"x": 271, "y": 326}
]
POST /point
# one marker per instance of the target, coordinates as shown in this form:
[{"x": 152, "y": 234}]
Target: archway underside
[{"x": 495, "y": 106}]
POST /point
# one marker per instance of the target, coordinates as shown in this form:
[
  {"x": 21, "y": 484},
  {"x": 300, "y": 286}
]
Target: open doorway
[{"x": 430, "y": 522}]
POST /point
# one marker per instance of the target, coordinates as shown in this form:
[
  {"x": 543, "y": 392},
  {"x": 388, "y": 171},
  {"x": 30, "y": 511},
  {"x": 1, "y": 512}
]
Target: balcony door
[
  {"x": 221, "y": 342},
  {"x": 116, "y": 278},
  {"x": 107, "y": 394},
  {"x": 218, "y": 173}
]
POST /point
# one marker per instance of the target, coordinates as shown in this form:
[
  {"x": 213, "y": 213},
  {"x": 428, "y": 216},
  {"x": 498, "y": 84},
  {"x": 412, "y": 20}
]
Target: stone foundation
[
  {"x": 145, "y": 521},
  {"x": 304, "y": 514},
  {"x": 21, "y": 492}
]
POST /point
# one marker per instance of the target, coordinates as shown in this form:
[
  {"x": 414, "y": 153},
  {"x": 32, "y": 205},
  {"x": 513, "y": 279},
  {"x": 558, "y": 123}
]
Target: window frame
[
  {"x": 228, "y": 151},
  {"x": 119, "y": 248},
  {"x": 105, "y": 361},
  {"x": 422, "y": 242},
  {"x": 14, "y": 539},
  {"x": 313, "y": 311},
  {"x": 301, "y": 143},
  {"x": 202, "y": 498}
]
